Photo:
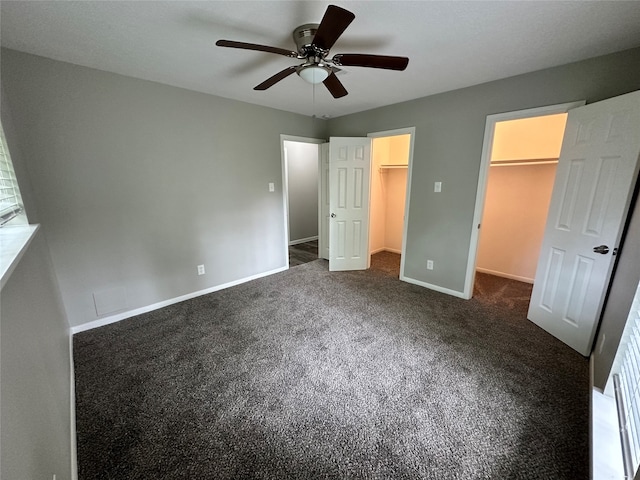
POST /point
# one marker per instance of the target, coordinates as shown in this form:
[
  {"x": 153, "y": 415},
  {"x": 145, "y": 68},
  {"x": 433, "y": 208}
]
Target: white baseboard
[
  {"x": 385, "y": 249},
  {"x": 437, "y": 288},
  {"x": 303, "y": 240},
  {"x": 101, "y": 322},
  {"x": 505, "y": 275}
]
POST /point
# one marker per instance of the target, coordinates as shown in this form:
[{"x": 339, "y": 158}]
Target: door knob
[
  {"x": 333, "y": 215},
  {"x": 602, "y": 249}
]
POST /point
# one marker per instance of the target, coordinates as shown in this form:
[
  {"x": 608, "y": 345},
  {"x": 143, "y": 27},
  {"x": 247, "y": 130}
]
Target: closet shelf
[{"x": 390, "y": 167}]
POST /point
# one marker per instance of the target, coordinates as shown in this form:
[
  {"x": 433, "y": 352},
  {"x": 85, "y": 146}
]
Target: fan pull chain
[{"x": 313, "y": 99}]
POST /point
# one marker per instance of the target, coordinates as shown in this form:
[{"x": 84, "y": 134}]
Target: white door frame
[
  {"x": 411, "y": 131},
  {"x": 483, "y": 175},
  {"x": 285, "y": 184}
]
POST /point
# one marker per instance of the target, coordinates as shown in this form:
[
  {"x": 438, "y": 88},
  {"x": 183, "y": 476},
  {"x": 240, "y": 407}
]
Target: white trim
[
  {"x": 505, "y": 275},
  {"x": 303, "y": 240},
  {"x": 72, "y": 404},
  {"x": 323, "y": 237},
  {"x": 14, "y": 241},
  {"x": 285, "y": 183},
  {"x": 437, "y": 288},
  {"x": 412, "y": 135},
  {"x": 483, "y": 174},
  {"x": 385, "y": 249},
  {"x": 101, "y": 322},
  {"x": 604, "y": 433}
]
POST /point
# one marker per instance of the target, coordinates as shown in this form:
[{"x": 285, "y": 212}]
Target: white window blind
[
  {"x": 626, "y": 380},
  {"x": 10, "y": 199}
]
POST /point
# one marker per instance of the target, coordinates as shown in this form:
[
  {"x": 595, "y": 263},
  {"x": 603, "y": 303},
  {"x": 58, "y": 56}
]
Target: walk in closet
[
  {"x": 390, "y": 159},
  {"x": 523, "y": 166}
]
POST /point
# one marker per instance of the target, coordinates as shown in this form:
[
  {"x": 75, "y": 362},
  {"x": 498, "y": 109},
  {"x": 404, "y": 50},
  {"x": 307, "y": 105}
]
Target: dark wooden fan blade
[
  {"x": 275, "y": 79},
  {"x": 371, "y": 61},
  {"x": 254, "y": 46},
  {"x": 333, "y": 24},
  {"x": 335, "y": 87}
]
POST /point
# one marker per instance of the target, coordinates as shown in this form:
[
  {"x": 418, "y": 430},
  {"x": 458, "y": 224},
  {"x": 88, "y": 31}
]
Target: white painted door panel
[
  {"x": 349, "y": 179},
  {"x": 323, "y": 244},
  {"x": 594, "y": 183}
]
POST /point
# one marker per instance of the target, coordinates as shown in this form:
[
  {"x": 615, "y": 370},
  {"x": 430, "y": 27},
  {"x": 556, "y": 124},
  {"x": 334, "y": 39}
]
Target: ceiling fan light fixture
[{"x": 314, "y": 73}]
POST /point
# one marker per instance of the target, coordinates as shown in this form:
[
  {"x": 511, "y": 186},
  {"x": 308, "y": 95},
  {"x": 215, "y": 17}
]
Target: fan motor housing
[{"x": 303, "y": 36}]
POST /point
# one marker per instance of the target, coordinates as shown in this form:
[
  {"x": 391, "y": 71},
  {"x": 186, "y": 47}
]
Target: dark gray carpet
[{"x": 315, "y": 375}]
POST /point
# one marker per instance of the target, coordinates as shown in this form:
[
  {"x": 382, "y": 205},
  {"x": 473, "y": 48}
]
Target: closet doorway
[
  {"x": 390, "y": 159},
  {"x": 524, "y": 157}
]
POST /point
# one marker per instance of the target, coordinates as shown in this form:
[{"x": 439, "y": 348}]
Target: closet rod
[{"x": 516, "y": 163}]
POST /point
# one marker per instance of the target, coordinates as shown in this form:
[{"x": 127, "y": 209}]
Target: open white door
[
  {"x": 323, "y": 202},
  {"x": 595, "y": 179},
  {"x": 349, "y": 178}
]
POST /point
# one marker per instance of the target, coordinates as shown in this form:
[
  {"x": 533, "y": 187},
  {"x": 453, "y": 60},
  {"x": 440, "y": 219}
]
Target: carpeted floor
[
  {"x": 309, "y": 374},
  {"x": 387, "y": 263}
]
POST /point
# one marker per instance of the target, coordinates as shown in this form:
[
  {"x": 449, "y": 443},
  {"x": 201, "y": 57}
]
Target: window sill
[
  {"x": 606, "y": 452},
  {"x": 13, "y": 243}
]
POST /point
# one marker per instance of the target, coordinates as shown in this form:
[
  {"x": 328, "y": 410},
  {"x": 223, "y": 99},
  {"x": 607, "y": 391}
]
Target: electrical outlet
[
  {"x": 429, "y": 264},
  {"x": 201, "y": 270},
  {"x": 272, "y": 187}
]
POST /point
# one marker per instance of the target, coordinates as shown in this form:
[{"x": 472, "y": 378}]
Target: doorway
[
  {"x": 346, "y": 197},
  {"x": 389, "y": 171},
  {"x": 517, "y": 172},
  {"x": 522, "y": 170},
  {"x": 300, "y": 167},
  {"x": 524, "y": 158}
]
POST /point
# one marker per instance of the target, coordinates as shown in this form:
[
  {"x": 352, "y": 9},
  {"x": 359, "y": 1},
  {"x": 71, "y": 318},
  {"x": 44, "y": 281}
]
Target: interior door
[
  {"x": 596, "y": 175},
  {"x": 323, "y": 201},
  {"x": 349, "y": 179}
]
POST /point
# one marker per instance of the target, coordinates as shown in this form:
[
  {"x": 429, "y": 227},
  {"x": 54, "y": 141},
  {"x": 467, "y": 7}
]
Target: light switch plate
[
  {"x": 437, "y": 187},
  {"x": 272, "y": 187}
]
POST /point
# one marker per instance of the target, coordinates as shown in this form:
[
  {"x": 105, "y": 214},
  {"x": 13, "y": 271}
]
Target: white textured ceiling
[{"x": 450, "y": 44}]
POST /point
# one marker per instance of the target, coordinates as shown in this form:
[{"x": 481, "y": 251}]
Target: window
[
  {"x": 10, "y": 199},
  {"x": 626, "y": 379}
]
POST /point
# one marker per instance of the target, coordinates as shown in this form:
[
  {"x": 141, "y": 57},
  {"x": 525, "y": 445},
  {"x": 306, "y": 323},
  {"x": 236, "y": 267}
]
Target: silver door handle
[
  {"x": 602, "y": 249},
  {"x": 333, "y": 215}
]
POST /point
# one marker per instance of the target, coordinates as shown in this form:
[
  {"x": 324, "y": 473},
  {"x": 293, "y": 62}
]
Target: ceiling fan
[{"x": 314, "y": 42}]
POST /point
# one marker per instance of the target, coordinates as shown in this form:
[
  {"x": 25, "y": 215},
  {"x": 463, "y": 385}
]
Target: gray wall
[
  {"x": 448, "y": 145},
  {"x": 138, "y": 183},
  {"x": 35, "y": 398},
  {"x": 302, "y": 172},
  {"x": 618, "y": 304},
  {"x": 35, "y": 406}
]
